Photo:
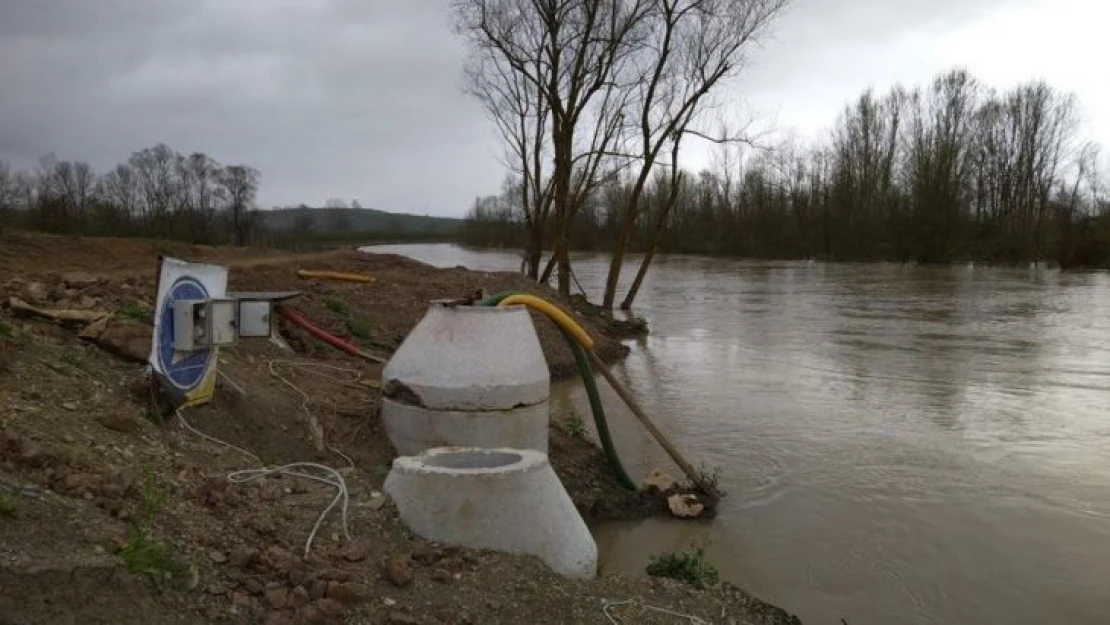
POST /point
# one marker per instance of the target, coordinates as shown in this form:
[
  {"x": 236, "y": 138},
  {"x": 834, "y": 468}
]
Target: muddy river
[{"x": 899, "y": 444}]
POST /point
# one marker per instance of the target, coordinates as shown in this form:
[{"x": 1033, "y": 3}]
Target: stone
[
  {"x": 377, "y": 501},
  {"x": 242, "y": 556},
  {"x": 217, "y": 556},
  {"x": 87, "y": 302},
  {"x": 128, "y": 339},
  {"x": 348, "y": 593},
  {"x": 685, "y": 506},
  {"x": 424, "y": 555},
  {"x": 278, "y": 598},
  {"x": 441, "y": 575},
  {"x": 398, "y": 570},
  {"x": 660, "y": 481},
  {"x": 446, "y": 616},
  {"x": 353, "y": 551},
  {"x": 319, "y": 589},
  {"x": 253, "y": 586},
  {"x": 69, "y": 405},
  {"x": 311, "y": 615},
  {"x": 299, "y": 597},
  {"x": 331, "y": 607},
  {"x": 280, "y": 617},
  {"x": 397, "y": 617},
  {"x": 389, "y": 603},
  {"x": 79, "y": 279},
  {"x": 338, "y": 575},
  {"x": 119, "y": 422},
  {"x": 299, "y": 575},
  {"x": 37, "y": 293},
  {"x": 241, "y": 599},
  {"x": 279, "y": 559}
]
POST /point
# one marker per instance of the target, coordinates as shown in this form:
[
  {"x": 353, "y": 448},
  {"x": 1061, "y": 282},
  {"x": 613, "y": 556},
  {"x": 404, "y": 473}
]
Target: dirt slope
[{"x": 80, "y": 461}]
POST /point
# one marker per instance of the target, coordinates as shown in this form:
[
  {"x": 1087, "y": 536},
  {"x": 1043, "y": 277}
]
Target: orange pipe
[{"x": 344, "y": 346}]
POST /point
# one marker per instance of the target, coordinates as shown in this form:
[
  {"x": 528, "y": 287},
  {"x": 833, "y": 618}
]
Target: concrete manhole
[{"x": 502, "y": 499}]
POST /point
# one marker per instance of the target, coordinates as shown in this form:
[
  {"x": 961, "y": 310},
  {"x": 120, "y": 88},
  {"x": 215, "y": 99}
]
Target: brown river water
[{"x": 899, "y": 444}]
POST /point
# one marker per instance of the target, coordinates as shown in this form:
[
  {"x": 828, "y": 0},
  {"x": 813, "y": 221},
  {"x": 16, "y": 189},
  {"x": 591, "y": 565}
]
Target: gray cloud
[{"x": 338, "y": 98}]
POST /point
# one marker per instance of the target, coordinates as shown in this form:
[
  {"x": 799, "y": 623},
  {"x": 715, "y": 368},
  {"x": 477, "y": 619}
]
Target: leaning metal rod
[{"x": 664, "y": 442}]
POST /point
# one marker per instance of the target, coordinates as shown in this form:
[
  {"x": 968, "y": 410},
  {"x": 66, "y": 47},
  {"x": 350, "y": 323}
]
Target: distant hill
[{"x": 338, "y": 220}]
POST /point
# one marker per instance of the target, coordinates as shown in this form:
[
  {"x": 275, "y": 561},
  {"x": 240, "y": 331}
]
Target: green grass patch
[
  {"x": 9, "y": 507},
  {"x": 6, "y": 331},
  {"x": 688, "y": 566},
  {"x": 145, "y": 554},
  {"x": 574, "y": 425},
  {"x": 360, "y": 329},
  {"x": 134, "y": 310},
  {"x": 336, "y": 306}
]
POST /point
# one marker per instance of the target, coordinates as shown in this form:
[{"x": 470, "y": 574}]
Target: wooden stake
[{"x": 658, "y": 434}]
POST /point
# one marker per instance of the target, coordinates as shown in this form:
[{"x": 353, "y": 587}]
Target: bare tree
[
  {"x": 159, "y": 186},
  {"x": 241, "y": 184},
  {"x": 541, "y": 64},
  {"x": 688, "y": 49},
  {"x": 202, "y": 194}
]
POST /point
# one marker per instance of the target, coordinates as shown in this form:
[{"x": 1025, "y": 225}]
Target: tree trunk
[
  {"x": 656, "y": 235},
  {"x": 615, "y": 264},
  {"x": 550, "y": 267}
]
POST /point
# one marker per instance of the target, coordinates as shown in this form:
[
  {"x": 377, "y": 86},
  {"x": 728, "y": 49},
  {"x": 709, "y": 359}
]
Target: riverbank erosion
[{"x": 109, "y": 514}]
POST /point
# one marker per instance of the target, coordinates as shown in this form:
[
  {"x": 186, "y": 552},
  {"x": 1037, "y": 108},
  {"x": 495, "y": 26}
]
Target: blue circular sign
[{"x": 185, "y": 370}]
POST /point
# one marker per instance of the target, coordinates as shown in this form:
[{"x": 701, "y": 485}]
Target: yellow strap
[{"x": 554, "y": 313}]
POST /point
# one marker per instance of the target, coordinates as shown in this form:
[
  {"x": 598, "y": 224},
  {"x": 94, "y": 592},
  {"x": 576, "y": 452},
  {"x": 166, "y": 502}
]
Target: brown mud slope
[{"x": 81, "y": 463}]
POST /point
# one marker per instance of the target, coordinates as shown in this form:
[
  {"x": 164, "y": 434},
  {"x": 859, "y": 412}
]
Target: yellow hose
[
  {"x": 554, "y": 313},
  {"x": 337, "y": 275}
]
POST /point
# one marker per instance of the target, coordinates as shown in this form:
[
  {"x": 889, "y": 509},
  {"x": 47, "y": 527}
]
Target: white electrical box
[
  {"x": 255, "y": 318},
  {"x": 200, "y": 324}
]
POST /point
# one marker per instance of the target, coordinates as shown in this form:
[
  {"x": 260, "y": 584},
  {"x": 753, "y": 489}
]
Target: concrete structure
[
  {"x": 507, "y": 500},
  {"x": 467, "y": 376}
]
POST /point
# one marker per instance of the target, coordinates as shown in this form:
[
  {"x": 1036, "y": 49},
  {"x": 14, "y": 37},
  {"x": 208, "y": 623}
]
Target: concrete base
[
  {"x": 503, "y": 499},
  {"x": 413, "y": 429}
]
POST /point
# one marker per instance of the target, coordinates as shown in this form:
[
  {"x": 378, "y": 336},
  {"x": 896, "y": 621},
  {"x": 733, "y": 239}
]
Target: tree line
[
  {"x": 953, "y": 170},
  {"x": 156, "y": 192}
]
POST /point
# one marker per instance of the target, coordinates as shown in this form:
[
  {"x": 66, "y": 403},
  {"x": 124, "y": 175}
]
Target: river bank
[{"x": 81, "y": 464}]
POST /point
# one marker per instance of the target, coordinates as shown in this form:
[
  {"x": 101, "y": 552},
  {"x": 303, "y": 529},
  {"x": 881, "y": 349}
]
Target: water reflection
[{"x": 900, "y": 444}]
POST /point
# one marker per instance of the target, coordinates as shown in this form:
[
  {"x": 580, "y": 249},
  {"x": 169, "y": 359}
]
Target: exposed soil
[{"x": 78, "y": 447}]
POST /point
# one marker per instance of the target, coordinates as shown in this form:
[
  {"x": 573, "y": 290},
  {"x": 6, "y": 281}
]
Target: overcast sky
[{"x": 362, "y": 98}]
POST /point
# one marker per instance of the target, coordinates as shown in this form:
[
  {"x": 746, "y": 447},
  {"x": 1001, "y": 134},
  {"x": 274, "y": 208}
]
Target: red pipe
[{"x": 348, "y": 348}]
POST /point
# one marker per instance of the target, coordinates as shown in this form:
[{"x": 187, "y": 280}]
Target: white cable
[
  {"x": 212, "y": 439},
  {"x": 606, "y": 604},
  {"x": 228, "y": 379},
  {"x": 294, "y": 470}
]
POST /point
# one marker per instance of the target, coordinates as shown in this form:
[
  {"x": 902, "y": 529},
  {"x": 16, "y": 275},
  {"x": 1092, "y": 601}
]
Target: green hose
[{"x": 587, "y": 374}]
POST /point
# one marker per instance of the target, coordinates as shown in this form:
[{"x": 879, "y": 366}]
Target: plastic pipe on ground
[
  {"x": 334, "y": 341},
  {"x": 337, "y": 275}
]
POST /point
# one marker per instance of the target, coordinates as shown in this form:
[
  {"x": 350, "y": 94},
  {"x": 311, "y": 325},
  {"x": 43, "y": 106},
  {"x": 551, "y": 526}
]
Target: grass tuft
[
  {"x": 688, "y": 566},
  {"x": 143, "y": 553},
  {"x": 574, "y": 425},
  {"x": 336, "y": 305},
  {"x": 360, "y": 329},
  {"x": 9, "y": 507},
  {"x": 134, "y": 310}
]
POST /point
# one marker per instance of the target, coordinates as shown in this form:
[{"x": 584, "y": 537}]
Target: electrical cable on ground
[
  {"x": 295, "y": 469},
  {"x": 606, "y": 604}
]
